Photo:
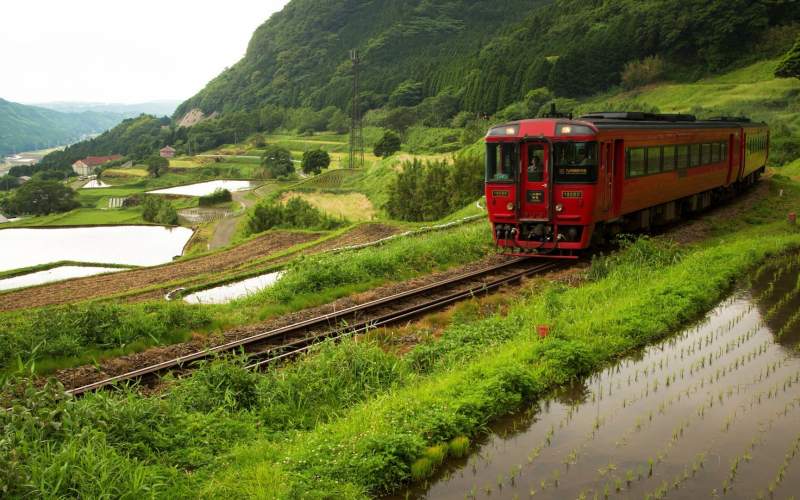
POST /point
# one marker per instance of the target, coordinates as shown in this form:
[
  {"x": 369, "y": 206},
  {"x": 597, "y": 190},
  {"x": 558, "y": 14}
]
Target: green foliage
[
  {"x": 429, "y": 191},
  {"x": 70, "y": 330},
  {"x": 218, "y": 196},
  {"x": 37, "y": 197},
  {"x": 641, "y": 73},
  {"x": 156, "y": 165},
  {"x": 407, "y": 94},
  {"x": 277, "y": 162},
  {"x": 388, "y": 145},
  {"x": 295, "y": 214},
  {"x": 30, "y": 128},
  {"x": 136, "y": 138},
  {"x": 158, "y": 210},
  {"x": 789, "y": 66},
  {"x": 315, "y": 160}
]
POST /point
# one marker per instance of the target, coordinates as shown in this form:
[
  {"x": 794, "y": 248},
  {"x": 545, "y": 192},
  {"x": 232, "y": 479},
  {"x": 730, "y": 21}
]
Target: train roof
[{"x": 637, "y": 120}]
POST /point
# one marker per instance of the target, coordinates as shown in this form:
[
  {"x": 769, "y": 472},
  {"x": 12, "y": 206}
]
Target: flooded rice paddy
[
  {"x": 205, "y": 188},
  {"x": 95, "y": 184},
  {"x": 227, "y": 293},
  {"x": 712, "y": 412},
  {"x": 130, "y": 245},
  {"x": 56, "y": 274}
]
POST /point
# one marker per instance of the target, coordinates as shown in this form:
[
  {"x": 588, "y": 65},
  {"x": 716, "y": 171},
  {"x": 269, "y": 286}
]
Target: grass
[
  {"x": 82, "y": 216},
  {"x": 44, "y": 267},
  {"x": 352, "y": 420},
  {"x": 751, "y": 91},
  {"x": 125, "y": 172},
  {"x": 350, "y": 206}
]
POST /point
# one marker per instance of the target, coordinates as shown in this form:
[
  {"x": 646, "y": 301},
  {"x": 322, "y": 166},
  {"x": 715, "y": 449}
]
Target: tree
[
  {"x": 43, "y": 197},
  {"x": 641, "y": 73},
  {"x": 388, "y": 145},
  {"x": 339, "y": 123},
  {"x": 277, "y": 161},
  {"x": 408, "y": 93},
  {"x": 315, "y": 160},
  {"x": 156, "y": 165},
  {"x": 158, "y": 210},
  {"x": 790, "y": 64}
]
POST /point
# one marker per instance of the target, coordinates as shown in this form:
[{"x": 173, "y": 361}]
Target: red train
[{"x": 555, "y": 185}]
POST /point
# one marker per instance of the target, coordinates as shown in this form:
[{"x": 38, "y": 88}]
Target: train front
[{"x": 541, "y": 177}]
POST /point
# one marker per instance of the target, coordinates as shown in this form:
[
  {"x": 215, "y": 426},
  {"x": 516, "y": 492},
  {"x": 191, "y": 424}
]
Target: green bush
[
  {"x": 430, "y": 191},
  {"x": 388, "y": 145},
  {"x": 277, "y": 162},
  {"x": 315, "y": 161},
  {"x": 66, "y": 331},
  {"x": 295, "y": 214},
  {"x": 643, "y": 72},
  {"x": 215, "y": 198},
  {"x": 158, "y": 210}
]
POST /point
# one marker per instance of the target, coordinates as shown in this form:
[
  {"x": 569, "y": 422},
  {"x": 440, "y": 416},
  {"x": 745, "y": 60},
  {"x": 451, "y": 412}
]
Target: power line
[{"x": 356, "y": 159}]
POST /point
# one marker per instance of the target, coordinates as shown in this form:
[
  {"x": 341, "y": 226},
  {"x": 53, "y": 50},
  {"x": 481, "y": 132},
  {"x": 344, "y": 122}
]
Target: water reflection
[
  {"x": 671, "y": 419},
  {"x": 129, "y": 245},
  {"x": 55, "y": 274},
  {"x": 205, "y": 188},
  {"x": 227, "y": 293}
]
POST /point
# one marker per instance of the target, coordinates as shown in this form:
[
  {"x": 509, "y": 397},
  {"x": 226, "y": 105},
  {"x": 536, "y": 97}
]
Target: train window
[
  {"x": 668, "y": 158},
  {"x": 715, "y": 155},
  {"x": 653, "y": 160},
  {"x": 694, "y": 155},
  {"x": 682, "y": 156},
  {"x": 501, "y": 160},
  {"x": 535, "y": 164},
  {"x": 636, "y": 165},
  {"x": 575, "y": 162},
  {"x": 705, "y": 154},
  {"x": 724, "y": 151}
]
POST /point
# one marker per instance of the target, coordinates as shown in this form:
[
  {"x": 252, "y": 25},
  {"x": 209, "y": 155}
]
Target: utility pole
[{"x": 356, "y": 159}]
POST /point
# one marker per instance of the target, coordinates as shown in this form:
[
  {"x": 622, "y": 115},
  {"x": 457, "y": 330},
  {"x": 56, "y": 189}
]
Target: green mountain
[
  {"x": 487, "y": 54},
  {"x": 28, "y": 128}
]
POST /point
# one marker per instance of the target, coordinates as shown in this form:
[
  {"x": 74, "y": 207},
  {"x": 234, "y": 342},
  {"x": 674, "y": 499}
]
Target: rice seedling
[
  {"x": 458, "y": 446},
  {"x": 421, "y": 469}
]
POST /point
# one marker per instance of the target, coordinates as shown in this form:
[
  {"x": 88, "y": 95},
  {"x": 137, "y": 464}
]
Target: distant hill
[
  {"x": 157, "y": 108},
  {"x": 488, "y": 54},
  {"x": 29, "y": 128}
]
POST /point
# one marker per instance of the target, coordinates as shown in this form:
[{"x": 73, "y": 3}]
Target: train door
[
  {"x": 535, "y": 181},
  {"x": 605, "y": 187}
]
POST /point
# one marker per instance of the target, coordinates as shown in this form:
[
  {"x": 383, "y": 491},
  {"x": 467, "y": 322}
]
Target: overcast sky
[{"x": 128, "y": 52}]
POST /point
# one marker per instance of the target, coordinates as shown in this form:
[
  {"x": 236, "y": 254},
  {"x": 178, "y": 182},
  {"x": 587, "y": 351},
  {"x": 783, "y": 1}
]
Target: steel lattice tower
[{"x": 356, "y": 128}]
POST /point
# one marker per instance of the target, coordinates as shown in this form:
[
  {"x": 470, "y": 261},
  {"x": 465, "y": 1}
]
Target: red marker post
[
  {"x": 792, "y": 218},
  {"x": 544, "y": 331}
]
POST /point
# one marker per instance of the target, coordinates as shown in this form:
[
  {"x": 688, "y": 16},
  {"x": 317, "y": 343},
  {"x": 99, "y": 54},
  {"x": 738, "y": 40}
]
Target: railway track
[{"x": 282, "y": 343}]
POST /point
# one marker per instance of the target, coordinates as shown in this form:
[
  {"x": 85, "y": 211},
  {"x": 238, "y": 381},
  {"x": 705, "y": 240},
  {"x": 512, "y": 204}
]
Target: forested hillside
[
  {"x": 28, "y": 128},
  {"x": 486, "y": 54}
]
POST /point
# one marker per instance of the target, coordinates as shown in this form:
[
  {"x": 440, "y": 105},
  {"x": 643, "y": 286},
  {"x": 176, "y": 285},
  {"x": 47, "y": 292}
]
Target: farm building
[
  {"x": 167, "y": 152},
  {"x": 88, "y": 164}
]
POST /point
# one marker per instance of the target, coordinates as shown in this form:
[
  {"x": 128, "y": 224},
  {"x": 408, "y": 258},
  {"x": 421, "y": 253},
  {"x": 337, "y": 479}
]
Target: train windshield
[
  {"x": 501, "y": 162},
  {"x": 575, "y": 162}
]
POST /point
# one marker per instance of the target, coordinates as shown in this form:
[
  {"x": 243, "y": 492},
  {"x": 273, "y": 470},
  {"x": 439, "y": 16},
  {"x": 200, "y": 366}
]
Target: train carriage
[{"x": 554, "y": 185}]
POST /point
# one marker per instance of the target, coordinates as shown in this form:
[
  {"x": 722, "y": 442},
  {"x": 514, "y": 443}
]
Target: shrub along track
[
  {"x": 191, "y": 272},
  {"x": 294, "y": 333}
]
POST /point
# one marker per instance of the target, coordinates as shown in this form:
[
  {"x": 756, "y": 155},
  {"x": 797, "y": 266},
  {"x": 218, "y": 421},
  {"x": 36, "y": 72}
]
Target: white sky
[{"x": 127, "y": 52}]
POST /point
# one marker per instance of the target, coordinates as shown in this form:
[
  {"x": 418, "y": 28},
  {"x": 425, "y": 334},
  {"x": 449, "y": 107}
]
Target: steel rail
[{"x": 328, "y": 319}]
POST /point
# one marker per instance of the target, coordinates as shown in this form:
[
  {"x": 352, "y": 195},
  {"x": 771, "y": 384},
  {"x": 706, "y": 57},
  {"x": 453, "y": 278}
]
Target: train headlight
[
  {"x": 559, "y": 207},
  {"x": 510, "y": 206}
]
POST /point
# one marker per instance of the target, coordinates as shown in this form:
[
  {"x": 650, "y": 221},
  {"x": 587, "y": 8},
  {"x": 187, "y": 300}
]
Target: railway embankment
[{"x": 356, "y": 419}]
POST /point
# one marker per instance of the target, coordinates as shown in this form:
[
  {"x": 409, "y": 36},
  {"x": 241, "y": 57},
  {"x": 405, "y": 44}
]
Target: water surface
[
  {"x": 55, "y": 274},
  {"x": 130, "y": 245},
  {"x": 227, "y": 293},
  {"x": 205, "y": 188},
  {"x": 95, "y": 184},
  {"x": 713, "y": 411}
]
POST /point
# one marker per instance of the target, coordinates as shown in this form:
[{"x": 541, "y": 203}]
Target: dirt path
[
  {"x": 100, "y": 286},
  {"x": 225, "y": 229}
]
